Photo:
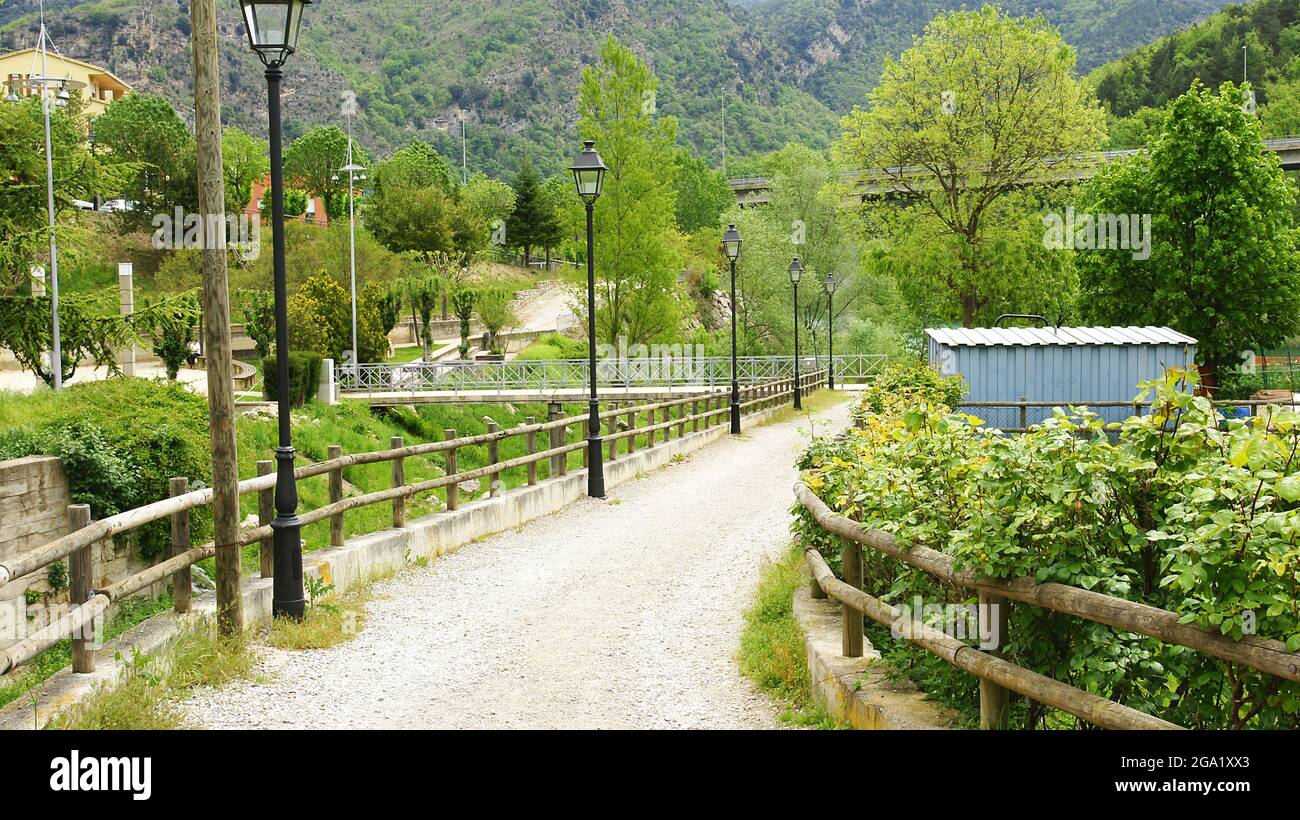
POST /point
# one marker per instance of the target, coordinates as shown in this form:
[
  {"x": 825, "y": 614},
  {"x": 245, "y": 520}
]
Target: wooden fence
[
  {"x": 999, "y": 677},
  {"x": 696, "y": 411}
]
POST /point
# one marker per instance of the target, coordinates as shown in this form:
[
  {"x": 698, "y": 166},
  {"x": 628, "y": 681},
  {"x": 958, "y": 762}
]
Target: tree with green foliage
[
  {"x": 145, "y": 131},
  {"x": 320, "y": 317},
  {"x": 416, "y": 165},
  {"x": 638, "y": 252},
  {"x": 25, "y": 331},
  {"x": 80, "y": 174},
  {"x": 488, "y": 202},
  {"x": 496, "y": 312},
  {"x": 416, "y": 220},
  {"x": 245, "y": 159},
  {"x": 463, "y": 301},
  {"x": 312, "y": 161},
  {"x": 422, "y": 290},
  {"x": 702, "y": 193},
  {"x": 964, "y": 118},
  {"x": 172, "y": 325},
  {"x": 532, "y": 224},
  {"x": 1224, "y": 265},
  {"x": 259, "y": 321}
]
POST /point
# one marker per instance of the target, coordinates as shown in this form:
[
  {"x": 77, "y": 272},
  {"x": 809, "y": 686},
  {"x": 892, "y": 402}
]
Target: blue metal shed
[{"x": 1064, "y": 365}]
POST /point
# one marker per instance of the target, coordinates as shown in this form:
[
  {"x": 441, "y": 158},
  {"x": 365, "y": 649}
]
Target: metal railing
[{"x": 556, "y": 374}]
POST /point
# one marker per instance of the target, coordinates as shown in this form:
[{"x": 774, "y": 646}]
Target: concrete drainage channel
[
  {"x": 362, "y": 557},
  {"x": 858, "y": 692}
]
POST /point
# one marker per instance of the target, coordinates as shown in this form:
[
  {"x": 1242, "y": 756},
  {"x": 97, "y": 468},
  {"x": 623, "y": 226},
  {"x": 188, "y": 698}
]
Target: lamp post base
[
  {"x": 595, "y": 468},
  {"x": 595, "y": 453},
  {"x": 735, "y": 417},
  {"x": 286, "y": 540}
]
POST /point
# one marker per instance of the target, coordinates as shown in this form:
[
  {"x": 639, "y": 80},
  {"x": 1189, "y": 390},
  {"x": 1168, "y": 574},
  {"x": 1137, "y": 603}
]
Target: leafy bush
[
  {"x": 304, "y": 377},
  {"x": 1179, "y": 509},
  {"x": 910, "y": 383},
  {"x": 121, "y": 442}
]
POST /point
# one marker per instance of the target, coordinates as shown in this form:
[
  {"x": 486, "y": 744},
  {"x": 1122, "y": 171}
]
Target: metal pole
[
  {"x": 798, "y": 400},
  {"x": 830, "y": 340},
  {"x": 735, "y": 384},
  {"x": 464, "y": 162},
  {"x": 56, "y": 352},
  {"x": 595, "y": 466},
  {"x": 352, "y": 245},
  {"x": 287, "y": 597}
]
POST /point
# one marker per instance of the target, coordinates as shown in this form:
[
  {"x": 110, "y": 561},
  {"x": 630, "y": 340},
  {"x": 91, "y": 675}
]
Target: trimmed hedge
[{"x": 304, "y": 377}]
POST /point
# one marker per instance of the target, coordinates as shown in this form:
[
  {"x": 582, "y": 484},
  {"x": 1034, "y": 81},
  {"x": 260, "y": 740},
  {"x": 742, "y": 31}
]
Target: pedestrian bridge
[{"x": 568, "y": 379}]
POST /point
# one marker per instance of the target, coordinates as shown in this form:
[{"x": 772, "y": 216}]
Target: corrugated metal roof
[{"x": 1068, "y": 336}]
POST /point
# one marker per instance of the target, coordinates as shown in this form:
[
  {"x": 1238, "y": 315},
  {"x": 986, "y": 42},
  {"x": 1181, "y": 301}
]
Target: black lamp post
[
  {"x": 731, "y": 247},
  {"x": 589, "y": 175},
  {"x": 273, "y": 27},
  {"x": 796, "y": 273},
  {"x": 830, "y": 284}
]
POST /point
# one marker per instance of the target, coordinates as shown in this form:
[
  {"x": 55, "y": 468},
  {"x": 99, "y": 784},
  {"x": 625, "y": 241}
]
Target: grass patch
[
  {"x": 405, "y": 355},
  {"x": 332, "y": 618},
  {"x": 772, "y": 652},
  {"x": 553, "y": 346},
  {"x": 816, "y": 403},
  {"x": 152, "y": 686}
]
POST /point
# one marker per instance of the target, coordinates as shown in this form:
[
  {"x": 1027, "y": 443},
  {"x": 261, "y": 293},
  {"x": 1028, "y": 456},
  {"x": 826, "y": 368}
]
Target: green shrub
[
  {"x": 1176, "y": 509},
  {"x": 304, "y": 377},
  {"x": 121, "y": 442},
  {"x": 908, "y": 383}
]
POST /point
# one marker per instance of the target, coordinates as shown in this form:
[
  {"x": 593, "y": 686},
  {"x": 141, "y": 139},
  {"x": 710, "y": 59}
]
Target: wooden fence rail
[
  {"x": 1263, "y": 654},
  {"x": 177, "y": 508}
]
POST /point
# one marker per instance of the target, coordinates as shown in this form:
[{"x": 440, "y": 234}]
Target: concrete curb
[
  {"x": 361, "y": 558},
  {"x": 858, "y": 691}
]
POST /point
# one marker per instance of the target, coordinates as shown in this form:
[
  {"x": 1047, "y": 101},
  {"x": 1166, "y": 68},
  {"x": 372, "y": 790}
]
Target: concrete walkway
[{"x": 617, "y": 614}]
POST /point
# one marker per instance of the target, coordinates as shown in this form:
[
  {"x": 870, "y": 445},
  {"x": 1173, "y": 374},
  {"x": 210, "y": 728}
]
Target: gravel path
[{"x": 618, "y": 614}]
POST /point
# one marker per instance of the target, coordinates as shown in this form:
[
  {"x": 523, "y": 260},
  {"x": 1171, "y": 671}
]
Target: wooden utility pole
[{"x": 216, "y": 313}]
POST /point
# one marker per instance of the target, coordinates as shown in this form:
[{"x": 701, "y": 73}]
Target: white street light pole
[
  {"x": 353, "y": 169},
  {"x": 56, "y": 353},
  {"x": 42, "y": 82}
]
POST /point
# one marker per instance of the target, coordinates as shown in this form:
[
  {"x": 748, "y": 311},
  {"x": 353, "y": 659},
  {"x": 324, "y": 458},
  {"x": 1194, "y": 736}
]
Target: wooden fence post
[
  {"x": 631, "y": 425},
  {"x": 265, "y": 515},
  {"x": 995, "y": 701},
  {"x": 81, "y": 573},
  {"x": 851, "y": 562},
  {"x": 586, "y": 434},
  {"x": 399, "y": 480},
  {"x": 559, "y": 437},
  {"x": 1024, "y": 413},
  {"x": 494, "y": 457},
  {"x": 695, "y": 412},
  {"x": 336, "y": 494},
  {"x": 181, "y": 578},
  {"x": 681, "y": 421},
  {"x": 453, "y": 489},
  {"x": 613, "y": 442},
  {"x": 816, "y": 589},
  {"x": 532, "y": 450}
]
